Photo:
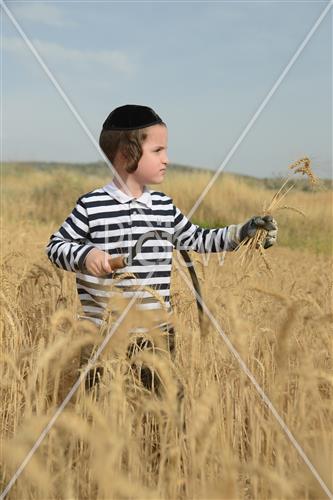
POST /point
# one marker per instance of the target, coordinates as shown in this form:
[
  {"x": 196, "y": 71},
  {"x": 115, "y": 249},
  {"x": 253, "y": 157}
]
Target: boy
[{"x": 113, "y": 219}]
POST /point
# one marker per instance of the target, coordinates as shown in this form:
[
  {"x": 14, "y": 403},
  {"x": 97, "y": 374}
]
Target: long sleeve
[
  {"x": 189, "y": 236},
  {"x": 68, "y": 247}
]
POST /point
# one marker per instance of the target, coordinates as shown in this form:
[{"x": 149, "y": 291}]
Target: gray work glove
[{"x": 237, "y": 233}]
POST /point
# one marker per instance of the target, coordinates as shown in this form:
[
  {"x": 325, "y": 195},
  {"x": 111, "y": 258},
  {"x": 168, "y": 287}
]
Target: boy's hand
[
  {"x": 97, "y": 263},
  {"x": 248, "y": 229}
]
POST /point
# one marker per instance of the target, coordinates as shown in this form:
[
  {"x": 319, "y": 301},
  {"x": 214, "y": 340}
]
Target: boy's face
[{"x": 153, "y": 162}]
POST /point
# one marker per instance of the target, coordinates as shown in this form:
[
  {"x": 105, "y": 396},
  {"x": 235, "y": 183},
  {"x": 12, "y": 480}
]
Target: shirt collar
[{"x": 122, "y": 197}]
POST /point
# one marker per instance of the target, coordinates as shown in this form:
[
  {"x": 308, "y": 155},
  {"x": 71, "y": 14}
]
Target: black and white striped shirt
[{"x": 114, "y": 222}]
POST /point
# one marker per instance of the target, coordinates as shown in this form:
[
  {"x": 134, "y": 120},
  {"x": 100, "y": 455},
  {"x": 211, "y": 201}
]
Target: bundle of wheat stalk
[{"x": 250, "y": 245}]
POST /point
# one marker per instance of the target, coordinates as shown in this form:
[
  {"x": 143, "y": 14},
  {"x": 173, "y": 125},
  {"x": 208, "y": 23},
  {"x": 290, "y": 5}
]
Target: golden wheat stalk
[
  {"x": 294, "y": 209},
  {"x": 250, "y": 245}
]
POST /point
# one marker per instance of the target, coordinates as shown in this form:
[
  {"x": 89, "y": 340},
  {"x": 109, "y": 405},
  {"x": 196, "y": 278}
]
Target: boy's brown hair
[{"x": 128, "y": 142}]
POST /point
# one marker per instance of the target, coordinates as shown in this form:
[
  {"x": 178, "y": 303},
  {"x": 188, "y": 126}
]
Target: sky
[{"x": 205, "y": 68}]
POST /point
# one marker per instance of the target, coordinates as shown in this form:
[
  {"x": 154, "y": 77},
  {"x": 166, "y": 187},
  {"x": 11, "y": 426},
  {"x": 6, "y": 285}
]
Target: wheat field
[{"x": 119, "y": 441}]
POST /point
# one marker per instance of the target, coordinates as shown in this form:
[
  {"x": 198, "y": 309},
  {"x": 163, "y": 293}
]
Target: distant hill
[
  {"x": 101, "y": 169},
  {"x": 96, "y": 168}
]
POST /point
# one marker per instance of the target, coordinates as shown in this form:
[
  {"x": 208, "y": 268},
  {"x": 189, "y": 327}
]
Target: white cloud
[
  {"x": 116, "y": 60},
  {"x": 44, "y": 13}
]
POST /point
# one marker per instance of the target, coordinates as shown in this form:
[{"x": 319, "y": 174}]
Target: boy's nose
[{"x": 165, "y": 160}]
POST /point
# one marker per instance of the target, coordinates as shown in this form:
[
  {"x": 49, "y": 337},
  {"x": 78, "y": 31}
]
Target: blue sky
[{"x": 205, "y": 67}]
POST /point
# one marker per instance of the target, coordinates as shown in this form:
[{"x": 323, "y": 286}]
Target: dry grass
[
  {"x": 34, "y": 196},
  {"x": 120, "y": 442}
]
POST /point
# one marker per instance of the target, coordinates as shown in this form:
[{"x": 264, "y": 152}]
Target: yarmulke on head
[{"x": 131, "y": 117}]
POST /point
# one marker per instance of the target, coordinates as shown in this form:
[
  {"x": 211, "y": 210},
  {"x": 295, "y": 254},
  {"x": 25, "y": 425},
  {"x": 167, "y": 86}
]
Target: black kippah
[{"x": 131, "y": 117}]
